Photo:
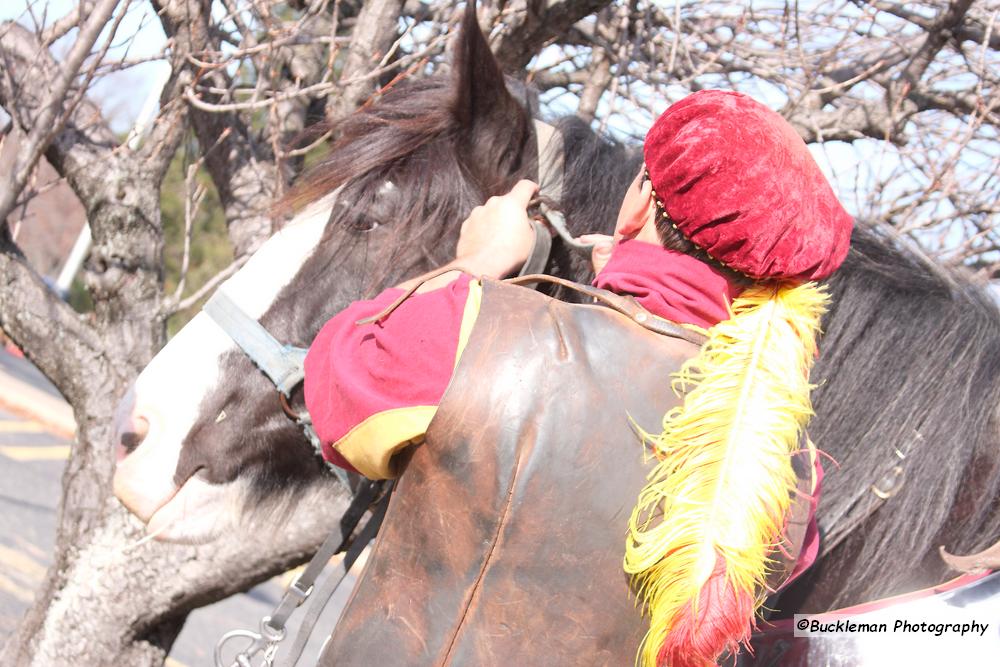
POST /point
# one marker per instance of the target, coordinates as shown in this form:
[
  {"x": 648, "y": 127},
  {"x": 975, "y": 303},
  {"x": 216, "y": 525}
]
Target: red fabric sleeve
[{"x": 353, "y": 372}]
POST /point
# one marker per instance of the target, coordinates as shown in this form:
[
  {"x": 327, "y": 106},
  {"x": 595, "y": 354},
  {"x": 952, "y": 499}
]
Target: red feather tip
[{"x": 724, "y": 620}]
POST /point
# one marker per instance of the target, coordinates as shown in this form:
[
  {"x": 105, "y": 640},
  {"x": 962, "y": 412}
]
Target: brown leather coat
[{"x": 504, "y": 540}]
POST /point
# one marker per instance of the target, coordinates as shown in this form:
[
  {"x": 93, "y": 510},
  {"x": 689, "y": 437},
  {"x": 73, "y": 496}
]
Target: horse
[{"x": 907, "y": 385}]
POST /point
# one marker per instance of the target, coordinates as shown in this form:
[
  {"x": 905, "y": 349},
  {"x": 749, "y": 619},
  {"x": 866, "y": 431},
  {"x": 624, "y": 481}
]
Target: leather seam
[{"x": 477, "y": 586}]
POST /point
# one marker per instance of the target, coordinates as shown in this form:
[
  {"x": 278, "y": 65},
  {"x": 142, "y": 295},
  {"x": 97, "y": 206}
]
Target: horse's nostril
[
  {"x": 131, "y": 434},
  {"x": 130, "y": 441}
]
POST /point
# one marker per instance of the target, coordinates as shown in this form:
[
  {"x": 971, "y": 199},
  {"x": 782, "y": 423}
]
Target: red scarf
[{"x": 668, "y": 283}]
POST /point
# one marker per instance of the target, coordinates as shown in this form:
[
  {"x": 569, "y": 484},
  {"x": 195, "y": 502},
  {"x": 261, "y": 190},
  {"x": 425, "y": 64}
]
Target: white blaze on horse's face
[{"x": 164, "y": 403}]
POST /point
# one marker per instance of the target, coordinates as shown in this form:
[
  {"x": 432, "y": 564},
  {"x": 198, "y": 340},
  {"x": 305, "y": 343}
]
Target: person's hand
[
  {"x": 497, "y": 237},
  {"x": 601, "y": 252}
]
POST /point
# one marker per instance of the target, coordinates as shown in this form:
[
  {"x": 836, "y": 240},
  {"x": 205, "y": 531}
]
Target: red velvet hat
[{"x": 737, "y": 180}]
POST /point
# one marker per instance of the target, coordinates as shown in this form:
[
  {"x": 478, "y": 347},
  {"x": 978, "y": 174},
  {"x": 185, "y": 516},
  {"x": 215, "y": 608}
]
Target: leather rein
[{"x": 284, "y": 366}]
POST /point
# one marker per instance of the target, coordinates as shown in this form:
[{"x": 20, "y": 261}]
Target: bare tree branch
[
  {"x": 53, "y": 113},
  {"x": 176, "y": 305},
  {"x": 372, "y": 37},
  {"x": 966, "y": 32},
  {"x": 45, "y": 327},
  {"x": 526, "y": 26},
  {"x": 71, "y": 20},
  {"x": 241, "y": 168},
  {"x": 938, "y": 34}
]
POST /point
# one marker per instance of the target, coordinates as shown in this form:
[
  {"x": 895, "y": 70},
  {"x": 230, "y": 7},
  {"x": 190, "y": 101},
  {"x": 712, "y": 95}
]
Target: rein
[{"x": 370, "y": 495}]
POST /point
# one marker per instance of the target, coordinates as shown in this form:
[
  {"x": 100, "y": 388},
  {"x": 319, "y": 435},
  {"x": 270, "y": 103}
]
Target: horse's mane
[{"x": 910, "y": 362}]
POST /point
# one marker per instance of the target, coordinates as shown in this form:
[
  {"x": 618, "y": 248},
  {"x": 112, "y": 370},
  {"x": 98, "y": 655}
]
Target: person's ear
[{"x": 638, "y": 210}]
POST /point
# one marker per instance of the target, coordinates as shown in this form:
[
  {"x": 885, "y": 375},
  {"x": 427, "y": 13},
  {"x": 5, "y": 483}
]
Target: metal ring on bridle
[{"x": 289, "y": 410}]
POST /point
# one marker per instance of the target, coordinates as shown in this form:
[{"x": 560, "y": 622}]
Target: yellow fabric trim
[
  {"x": 469, "y": 316},
  {"x": 370, "y": 445}
]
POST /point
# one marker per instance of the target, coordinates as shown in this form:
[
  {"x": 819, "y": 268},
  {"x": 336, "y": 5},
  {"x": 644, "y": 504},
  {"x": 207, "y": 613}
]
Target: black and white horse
[{"x": 909, "y": 376}]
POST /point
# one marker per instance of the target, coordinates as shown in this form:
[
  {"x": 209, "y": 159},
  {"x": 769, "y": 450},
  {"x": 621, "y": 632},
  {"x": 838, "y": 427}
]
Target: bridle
[{"x": 284, "y": 366}]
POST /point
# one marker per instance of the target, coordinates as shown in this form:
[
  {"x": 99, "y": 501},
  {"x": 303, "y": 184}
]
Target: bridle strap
[
  {"x": 282, "y": 364},
  {"x": 551, "y": 173},
  {"x": 370, "y": 495},
  {"x": 325, "y": 590},
  {"x": 541, "y": 248}
]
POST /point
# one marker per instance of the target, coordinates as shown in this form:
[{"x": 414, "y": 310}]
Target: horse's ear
[{"x": 494, "y": 127}]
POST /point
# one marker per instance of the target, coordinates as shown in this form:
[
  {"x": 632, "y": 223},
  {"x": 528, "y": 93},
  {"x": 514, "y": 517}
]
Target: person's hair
[{"x": 673, "y": 239}]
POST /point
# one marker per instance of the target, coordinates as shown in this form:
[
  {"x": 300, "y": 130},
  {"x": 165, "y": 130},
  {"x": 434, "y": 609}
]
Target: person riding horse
[{"x": 521, "y": 427}]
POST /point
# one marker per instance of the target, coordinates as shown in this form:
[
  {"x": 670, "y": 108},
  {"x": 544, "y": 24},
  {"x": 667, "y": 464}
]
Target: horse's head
[{"x": 201, "y": 432}]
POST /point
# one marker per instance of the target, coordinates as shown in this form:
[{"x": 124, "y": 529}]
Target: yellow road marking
[
  {"x": 21, "y": 427},
  {"x": 170, "y": 662},
  {"x": 21, "y": 593},
  {"x": 22, "y": 563},
  {"x": 39, "y": 453}
]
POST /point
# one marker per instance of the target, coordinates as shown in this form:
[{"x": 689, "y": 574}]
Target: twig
[
  {"x": 50, "y": 121},
  {"x": 170, "y": 307},
  {"x": 194, "y": 194}
]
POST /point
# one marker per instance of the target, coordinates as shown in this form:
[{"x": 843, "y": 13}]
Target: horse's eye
[{"x": 366, "y": 225}]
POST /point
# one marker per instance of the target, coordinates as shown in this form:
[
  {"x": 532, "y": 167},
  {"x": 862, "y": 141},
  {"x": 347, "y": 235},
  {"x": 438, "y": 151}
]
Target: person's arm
[
  {"x": 495, "y": 240},
  {"x": 372, "y": 389}
]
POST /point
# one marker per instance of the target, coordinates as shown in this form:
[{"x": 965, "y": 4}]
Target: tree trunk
[{"x": 109, "y": 599}]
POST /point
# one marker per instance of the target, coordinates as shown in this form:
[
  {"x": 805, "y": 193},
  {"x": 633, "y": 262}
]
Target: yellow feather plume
[{"x": 724, "y": 482}]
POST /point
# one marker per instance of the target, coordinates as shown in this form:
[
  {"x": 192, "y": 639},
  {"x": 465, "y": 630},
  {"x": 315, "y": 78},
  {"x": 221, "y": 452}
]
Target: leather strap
[
  {"x": 321, "y": 596},
  {"x": 557, "y": 221},
  {"x": 626, "y": 305},
  {"x": 387, "y": 311},
  {"x": 272, "y": 627},
  {"x": 300, "y": 589},
  {"x": 541, "y": 247},
  {"x": 283, "y": 364},
  {"x": 551, "y": 171}
]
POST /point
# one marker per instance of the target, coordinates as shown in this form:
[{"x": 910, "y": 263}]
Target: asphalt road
[{"x": 31, "y": 464}]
